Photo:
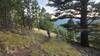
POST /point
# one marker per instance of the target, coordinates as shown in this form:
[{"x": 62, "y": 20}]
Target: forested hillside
[{"x": 28, "y": 29}]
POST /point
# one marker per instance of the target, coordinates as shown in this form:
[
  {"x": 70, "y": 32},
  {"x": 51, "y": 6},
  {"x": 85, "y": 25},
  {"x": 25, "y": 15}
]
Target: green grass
[
  {"x": 59, "y": 48},
  {"x": 52, "y": 47},
  {"x": 10, "y": 40}
]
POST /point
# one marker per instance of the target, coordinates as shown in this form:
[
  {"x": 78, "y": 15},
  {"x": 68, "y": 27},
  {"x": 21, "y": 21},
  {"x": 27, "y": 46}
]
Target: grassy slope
[
  {"x": 59, "y": 49},
  {"x": 10, "y": 40}
]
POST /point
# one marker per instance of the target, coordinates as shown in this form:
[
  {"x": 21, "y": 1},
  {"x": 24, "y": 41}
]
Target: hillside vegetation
[{"x": 13, "y": 43}]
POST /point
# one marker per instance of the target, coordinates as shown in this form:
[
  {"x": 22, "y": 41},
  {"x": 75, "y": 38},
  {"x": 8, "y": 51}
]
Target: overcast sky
[{"x": 43, "y": 3}]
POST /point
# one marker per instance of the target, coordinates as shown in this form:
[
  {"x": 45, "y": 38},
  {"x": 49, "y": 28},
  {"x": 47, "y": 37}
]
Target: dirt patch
[{"x": 86, "y": 51}]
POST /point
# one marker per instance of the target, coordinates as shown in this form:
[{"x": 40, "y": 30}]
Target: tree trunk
[
  {"x": 48, "y": 32},
  {"x": 5, "y": 16},
  {"x": 84, "y": 24}
]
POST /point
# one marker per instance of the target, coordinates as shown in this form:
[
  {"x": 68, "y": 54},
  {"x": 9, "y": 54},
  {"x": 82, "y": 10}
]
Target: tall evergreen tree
[
  {"x": 81, "y": 5},
  {"x": 5, "y": 14},
  {"x": 84, "y": 24},
  {"x": 18, "y": 13}
]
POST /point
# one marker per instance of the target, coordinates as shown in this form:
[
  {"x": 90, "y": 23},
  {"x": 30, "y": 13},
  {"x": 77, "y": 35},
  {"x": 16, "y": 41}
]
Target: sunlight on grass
[
  {"x": 35, "y": 52},
  {"x": 60, "y": 49},
  {"x": 52, "y": 47},
  {"x": 15, "y": 40}
]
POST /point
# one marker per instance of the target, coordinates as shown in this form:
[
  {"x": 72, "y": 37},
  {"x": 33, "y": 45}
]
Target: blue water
[
  {"x": 60, "y": 21},
  {"x": 63, "y": 21}
]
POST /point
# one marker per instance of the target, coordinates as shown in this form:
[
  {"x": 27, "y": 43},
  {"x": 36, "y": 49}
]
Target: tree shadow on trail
[{"x": 86, "y": 51}]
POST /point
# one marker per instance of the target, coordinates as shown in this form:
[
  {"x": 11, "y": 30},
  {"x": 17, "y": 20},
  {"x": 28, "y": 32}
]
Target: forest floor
[{"x": 12, "y": 44}]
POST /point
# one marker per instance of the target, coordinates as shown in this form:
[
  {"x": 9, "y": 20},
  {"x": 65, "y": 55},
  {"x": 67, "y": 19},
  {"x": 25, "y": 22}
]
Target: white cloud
[{"x": 43, "y": 3}]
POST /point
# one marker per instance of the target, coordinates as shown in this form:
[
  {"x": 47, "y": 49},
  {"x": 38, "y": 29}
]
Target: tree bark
[
  {"x": 5, "y": 16},
  {"x": 49, "y": 36},
  {"x": 84, "y": 24}
]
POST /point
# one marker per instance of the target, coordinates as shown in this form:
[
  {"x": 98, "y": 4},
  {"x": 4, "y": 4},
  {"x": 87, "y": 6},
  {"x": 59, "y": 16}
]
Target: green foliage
[
  {"x": 97, "y": 23},
  {"x": 18, "y": 13},
  {"x": 69, "y": 28},
  {"x": 46, "y": 25},
  {"x": 94, "y": 37},
  {"x": 62, "y": 34}
]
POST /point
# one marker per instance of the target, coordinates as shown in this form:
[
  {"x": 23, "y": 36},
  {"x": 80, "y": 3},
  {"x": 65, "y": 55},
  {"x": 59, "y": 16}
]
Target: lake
[{"x": 63, "y": 21}]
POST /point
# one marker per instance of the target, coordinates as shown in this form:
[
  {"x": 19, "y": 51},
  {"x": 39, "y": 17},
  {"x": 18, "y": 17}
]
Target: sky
[
  {"x": 97, "y": 0},
  {"x": 42, "y": 3}
]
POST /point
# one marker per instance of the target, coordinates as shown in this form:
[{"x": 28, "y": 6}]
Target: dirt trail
[
  {"x": 86, "y": 51},
  {"x": 27, "y": 51},
  {"x": 40, "y": 31}
]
